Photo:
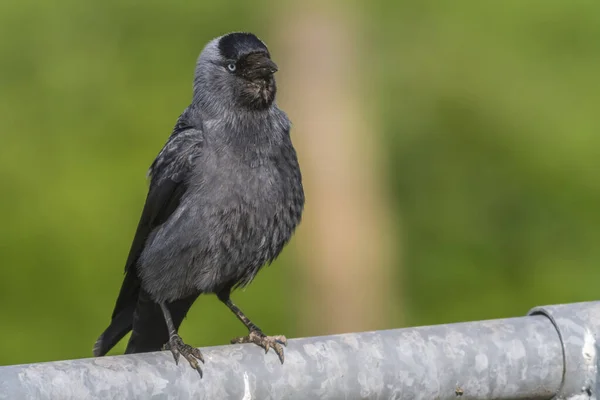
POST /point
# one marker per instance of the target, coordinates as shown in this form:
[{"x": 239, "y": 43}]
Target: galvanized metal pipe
[
  {"x": 517, "y": 358},
  {"x": 578, "y": 326}
]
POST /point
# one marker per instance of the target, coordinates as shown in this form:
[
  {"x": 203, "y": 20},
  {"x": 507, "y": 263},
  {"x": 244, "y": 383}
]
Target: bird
[{"x": 225, "y": 196}]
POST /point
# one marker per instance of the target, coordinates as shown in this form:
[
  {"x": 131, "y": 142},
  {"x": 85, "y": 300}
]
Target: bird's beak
[{"x": 260, "y": 66}]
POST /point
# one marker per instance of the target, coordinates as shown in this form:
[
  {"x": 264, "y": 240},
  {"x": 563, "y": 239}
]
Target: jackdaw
[{"x": 225, "y": 196}]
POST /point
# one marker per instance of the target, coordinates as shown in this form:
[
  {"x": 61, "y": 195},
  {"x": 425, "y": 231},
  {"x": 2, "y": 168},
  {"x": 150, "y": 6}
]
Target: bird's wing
[{"x": 168, "y": 183}]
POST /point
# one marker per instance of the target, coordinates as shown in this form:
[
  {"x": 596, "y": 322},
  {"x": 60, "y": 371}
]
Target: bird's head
[{"x": 235, "y": 69}]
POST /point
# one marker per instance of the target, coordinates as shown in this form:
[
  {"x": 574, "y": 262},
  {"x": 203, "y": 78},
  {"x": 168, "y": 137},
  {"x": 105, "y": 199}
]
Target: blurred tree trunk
[{"x": 346, "y": 241}]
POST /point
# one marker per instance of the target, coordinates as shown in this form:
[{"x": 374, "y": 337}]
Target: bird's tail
[
  {"x": 149, "y": 332},
  {"x": 135, "y": 311},
  {"x": 122, "y": 317},
  {"x": 119, "y": 327}
]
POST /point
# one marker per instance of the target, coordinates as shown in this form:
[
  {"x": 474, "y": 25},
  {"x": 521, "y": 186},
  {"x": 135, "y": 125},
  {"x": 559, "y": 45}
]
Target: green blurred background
[{"x": 484, "y": 117}]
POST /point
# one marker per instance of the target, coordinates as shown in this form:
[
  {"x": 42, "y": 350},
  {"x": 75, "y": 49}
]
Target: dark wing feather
[
  {"x": 160, "y": 204},
  {"x": 168, "y": 184}
]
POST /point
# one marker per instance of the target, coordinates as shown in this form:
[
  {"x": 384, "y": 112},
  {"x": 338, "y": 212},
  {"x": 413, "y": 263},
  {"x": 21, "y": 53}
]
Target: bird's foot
[
  {"x": 192, "y": 354},
  {"x": 264, "y": 341}
]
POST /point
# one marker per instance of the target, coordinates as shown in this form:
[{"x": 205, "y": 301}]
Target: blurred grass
[
  {"x": 491, "y": 113},
  {"x": 490, "y": 127}
]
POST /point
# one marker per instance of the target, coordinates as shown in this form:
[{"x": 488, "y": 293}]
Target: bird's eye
[{"x": 231, "y": 67}]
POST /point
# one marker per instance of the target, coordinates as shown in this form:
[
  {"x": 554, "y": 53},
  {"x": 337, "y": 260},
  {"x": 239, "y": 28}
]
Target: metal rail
[{"x": 551, "y": 353}]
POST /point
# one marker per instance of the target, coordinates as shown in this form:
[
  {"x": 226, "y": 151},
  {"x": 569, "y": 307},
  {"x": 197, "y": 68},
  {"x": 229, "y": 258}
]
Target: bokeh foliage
[
  {"x": 489, "y": 116},
  {"x": 491, "y": 111}
]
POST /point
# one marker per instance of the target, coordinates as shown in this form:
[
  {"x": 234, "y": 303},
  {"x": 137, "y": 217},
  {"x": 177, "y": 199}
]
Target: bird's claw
[
  {"x": 264, "y": 341},
  {"x": 192, "y": 354}
]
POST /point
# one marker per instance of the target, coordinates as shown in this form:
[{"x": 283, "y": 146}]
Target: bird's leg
[
  {"x": 177, "y": 346},
  {"x": 255, "y": 334}
]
